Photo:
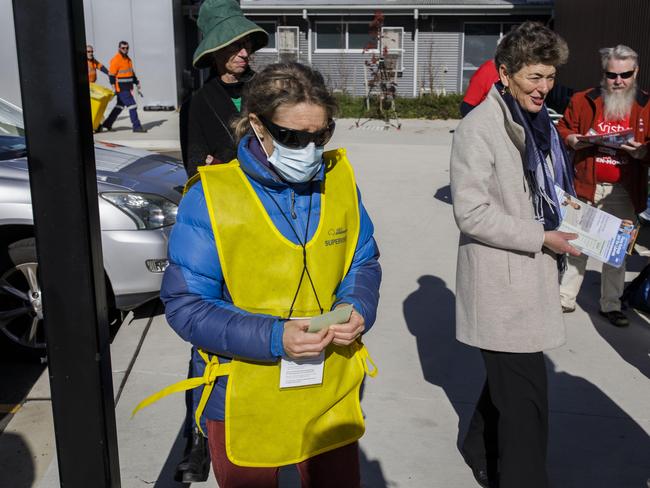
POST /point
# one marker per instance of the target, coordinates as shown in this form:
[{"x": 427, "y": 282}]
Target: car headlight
[{"x": 148, "y": 211}]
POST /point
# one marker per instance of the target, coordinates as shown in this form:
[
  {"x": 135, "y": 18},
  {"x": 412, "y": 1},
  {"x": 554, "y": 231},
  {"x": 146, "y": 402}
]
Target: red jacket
[
  {"x": 584, "y": 109},
  {"x": 481, "y": 82}
]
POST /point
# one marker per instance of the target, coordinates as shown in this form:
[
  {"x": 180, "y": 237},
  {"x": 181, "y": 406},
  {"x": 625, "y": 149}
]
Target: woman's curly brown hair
[{"x": 531, "y": 43}]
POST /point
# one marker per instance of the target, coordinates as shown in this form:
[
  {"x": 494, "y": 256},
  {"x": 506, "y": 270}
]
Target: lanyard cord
[{"x": 303, "y": 245}]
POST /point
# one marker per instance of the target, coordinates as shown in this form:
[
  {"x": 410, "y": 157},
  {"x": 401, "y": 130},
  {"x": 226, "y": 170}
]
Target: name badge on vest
[{"x": 302, "y": 372}]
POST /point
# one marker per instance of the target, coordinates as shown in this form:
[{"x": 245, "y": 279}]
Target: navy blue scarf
[{"x": 542, "y": 141}]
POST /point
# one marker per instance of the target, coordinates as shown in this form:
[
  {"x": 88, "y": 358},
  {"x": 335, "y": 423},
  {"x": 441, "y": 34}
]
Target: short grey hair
[
  {"x": 530, "y": 43},
  {"x": 618, "y": 52}
]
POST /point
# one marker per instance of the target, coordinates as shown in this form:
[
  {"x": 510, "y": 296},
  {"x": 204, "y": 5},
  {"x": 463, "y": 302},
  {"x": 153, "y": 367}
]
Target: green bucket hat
[{"x": 222, "y": 22}]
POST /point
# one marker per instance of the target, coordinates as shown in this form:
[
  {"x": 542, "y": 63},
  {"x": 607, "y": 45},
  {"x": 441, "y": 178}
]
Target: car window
[{"x": 12, "y": 131}]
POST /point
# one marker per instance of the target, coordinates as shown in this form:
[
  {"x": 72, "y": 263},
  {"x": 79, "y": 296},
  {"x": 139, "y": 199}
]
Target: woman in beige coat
[{"x": 506, "y": 159}]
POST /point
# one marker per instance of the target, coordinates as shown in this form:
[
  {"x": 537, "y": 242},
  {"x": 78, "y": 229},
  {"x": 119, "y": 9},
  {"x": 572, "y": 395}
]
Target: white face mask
[{"x": 295, "y": 165}]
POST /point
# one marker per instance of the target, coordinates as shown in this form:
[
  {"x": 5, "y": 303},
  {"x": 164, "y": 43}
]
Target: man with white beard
[{"x": 614, "y": 180}]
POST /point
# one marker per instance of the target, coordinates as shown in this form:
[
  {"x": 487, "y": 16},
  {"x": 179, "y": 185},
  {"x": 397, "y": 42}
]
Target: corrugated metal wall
[
  {"x": 588, "y": 25},
  {"x": 439, "y": 52},
  {"x": 345, "y": 70}
]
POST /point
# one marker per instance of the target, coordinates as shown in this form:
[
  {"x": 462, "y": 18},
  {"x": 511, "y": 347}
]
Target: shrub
[{"x": 423, "y": 107}]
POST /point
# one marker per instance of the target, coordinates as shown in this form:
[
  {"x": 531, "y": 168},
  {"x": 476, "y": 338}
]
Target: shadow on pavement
[
  {"x": 154, "y": 123},
  {"x": 166, "y": 476},
  {"x": 372, "y": 476},
  {"x": 128, "y": 127},
  {"x": 593, "y": 442},
  {"x": 16, "y": 463},
  {"x": 152, "y": 308},
  {"x": 631, "y": 343},
  {"x": 458, "y": 369},
  {"x": 18, "y": 374},
  {"x": 443, "y": 194}
]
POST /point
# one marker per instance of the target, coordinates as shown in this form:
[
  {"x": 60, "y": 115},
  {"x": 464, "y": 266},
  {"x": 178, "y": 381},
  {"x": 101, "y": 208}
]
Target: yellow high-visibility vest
[{"x": 266, "y": 425}]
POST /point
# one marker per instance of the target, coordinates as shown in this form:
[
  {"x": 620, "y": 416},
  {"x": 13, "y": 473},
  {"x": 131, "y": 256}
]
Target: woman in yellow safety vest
[{"x": 260, "y": 245}]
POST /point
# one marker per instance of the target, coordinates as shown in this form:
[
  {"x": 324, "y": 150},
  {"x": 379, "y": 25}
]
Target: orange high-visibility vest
[
  {"x": 122, "y": 69},
  {"x": 93, "y": 66}
]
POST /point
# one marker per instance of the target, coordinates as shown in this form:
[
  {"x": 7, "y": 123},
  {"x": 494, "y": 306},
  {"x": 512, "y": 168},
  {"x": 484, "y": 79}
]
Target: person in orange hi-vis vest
[
  {"x": 93, "y": 65},
  {"x": 123, "y": 79}
]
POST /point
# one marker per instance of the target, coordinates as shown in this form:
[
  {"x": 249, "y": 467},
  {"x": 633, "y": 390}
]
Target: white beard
[{"x": 618, "y": 103}]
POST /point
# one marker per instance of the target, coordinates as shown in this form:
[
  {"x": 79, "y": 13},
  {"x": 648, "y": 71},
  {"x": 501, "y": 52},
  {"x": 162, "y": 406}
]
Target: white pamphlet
[
  {"x": 302, "y": 372},
  {"x": 600, "y": 235}
]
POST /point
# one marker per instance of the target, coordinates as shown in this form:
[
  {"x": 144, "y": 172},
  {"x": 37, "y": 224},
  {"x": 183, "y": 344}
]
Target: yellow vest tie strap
[
  {"x": 367, "y": 362},
  {"x": 213, "y": 369}
]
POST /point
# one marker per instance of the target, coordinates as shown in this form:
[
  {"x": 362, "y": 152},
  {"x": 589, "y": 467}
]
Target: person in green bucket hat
[{"x": 229, "y": 39}]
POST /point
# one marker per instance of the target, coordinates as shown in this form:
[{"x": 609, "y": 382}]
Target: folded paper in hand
[
  {"x": 613, "y": 139},
  {"x": 340, "y": 315},
  {"x": 600, "y": 235}
]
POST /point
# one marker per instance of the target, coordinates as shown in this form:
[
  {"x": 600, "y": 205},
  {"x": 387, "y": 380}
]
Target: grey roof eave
[
  {"x": 405, "y": 5},
  {"x": 422, "y": 9}
]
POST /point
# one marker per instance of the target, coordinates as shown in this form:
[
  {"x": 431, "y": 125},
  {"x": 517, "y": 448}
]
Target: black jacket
[{"x": 205, "y": 124}]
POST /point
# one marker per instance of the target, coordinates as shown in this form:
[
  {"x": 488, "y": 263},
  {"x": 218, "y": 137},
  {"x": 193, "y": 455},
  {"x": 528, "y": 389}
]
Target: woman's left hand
[
  {"x": 345, "y": 334},
  {"x": 559, "y": 242}
]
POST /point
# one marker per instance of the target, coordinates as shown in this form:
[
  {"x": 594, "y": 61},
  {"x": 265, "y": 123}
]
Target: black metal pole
[{"x": 54, "y": 81}]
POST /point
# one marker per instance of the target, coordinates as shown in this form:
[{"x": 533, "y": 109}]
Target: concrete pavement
[
  {"x": 162, "y": 135},
  {"x": 427, "y": 382}
]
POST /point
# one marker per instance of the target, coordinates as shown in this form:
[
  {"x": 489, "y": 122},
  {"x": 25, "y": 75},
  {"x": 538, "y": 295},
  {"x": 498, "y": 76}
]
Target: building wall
[
  {"x": 437, "y": 69},
  {"x": 9, "y": 80},
  {"x": 439, "y": 55},
  {"x": 344, "y": 70},
  {"x": 148, "y": 27},
  {"x": 588, "y": 25}
]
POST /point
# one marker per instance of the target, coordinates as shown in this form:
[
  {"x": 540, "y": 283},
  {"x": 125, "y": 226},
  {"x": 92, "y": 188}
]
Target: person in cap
[{"x": 228, "y": 41}]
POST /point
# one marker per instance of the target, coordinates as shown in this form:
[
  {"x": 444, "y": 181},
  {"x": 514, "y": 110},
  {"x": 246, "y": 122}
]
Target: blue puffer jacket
[{"x": 197, "y": 302}]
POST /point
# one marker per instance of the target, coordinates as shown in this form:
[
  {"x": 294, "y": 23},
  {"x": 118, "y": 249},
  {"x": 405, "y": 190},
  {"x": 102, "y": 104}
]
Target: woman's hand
[
  {"x": 635, "y": 149},
  {"x": 573, "y": 142},
  {"x": 346, "y": 334},
  {"x": 298, "y": 343},
  {"x": 558, "y": 242}
]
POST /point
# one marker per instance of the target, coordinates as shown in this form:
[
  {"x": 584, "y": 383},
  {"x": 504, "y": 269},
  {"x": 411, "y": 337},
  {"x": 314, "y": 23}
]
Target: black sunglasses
[
  {"x": 238, "y": 45},
  {"x": 298, "y": 139},
  {"x": 612, "y": 76}
]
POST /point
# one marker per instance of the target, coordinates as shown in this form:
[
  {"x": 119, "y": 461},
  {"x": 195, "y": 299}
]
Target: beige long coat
[{"x": 507, "y": 291}]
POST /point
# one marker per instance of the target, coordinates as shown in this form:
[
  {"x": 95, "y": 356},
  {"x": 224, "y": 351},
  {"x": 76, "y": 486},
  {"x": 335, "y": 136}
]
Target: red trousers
[{"x": 339, "y": 468}]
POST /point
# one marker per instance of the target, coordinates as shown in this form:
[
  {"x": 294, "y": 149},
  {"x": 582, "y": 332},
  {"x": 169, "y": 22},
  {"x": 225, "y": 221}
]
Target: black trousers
[{"x": 508, "y": 433}]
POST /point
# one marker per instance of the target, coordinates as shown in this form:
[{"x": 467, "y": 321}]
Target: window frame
[
  {"x": 500, "y": 23},
  {"x": 275, "y": 34},
  {"x": 295, "y": 50},
  {"x": 399, "y": 50},
  {"x": 346, "y": 48}
]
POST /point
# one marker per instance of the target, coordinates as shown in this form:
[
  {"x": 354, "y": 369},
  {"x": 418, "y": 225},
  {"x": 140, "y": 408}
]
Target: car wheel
[{"x": 21, "y": 309}]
